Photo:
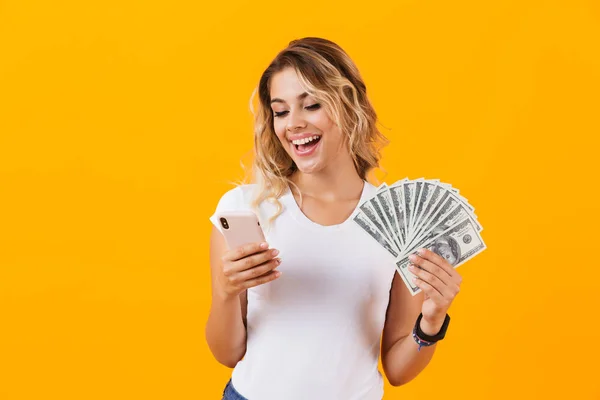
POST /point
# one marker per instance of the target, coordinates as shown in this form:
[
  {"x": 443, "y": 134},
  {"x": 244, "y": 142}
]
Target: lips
[{"x": 306, "y": 148}]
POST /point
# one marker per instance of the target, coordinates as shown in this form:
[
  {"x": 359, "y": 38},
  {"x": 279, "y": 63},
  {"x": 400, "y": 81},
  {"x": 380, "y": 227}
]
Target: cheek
[
  {"x": 327, "y": 126},
  {"x": 279, "y": 129},
  {"x": 321, "y": 120}
]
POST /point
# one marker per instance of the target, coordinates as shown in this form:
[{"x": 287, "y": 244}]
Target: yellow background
[{"x": 121, "y": 124}]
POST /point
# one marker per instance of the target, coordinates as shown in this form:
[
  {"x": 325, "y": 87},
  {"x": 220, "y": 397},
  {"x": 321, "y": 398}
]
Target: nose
[{"x": 295, "y": 120}]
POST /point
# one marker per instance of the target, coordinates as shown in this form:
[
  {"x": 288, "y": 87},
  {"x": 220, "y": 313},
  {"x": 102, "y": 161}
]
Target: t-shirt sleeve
[{"x": 232, "y": 200}]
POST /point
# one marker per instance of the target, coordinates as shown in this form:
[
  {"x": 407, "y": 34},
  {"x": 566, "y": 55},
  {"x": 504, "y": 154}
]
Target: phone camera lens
[{"x": 224, "y": 223}]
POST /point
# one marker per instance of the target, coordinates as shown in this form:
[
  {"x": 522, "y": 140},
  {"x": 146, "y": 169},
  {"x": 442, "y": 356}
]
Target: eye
[{"x": 315, "y": 106}]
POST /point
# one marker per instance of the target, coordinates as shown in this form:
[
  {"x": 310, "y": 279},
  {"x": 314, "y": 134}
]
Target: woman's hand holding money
[{"x": 440, "y": 282}]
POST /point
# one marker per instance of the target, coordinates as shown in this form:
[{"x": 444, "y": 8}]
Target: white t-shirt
[{"x": 314, "y": 332}]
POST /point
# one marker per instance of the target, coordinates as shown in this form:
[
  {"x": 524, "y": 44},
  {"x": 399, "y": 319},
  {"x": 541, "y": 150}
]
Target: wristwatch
[{"x": 423, "y": 339}]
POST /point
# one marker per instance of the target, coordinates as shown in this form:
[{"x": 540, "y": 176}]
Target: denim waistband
[{"x": 229, "y": 393}]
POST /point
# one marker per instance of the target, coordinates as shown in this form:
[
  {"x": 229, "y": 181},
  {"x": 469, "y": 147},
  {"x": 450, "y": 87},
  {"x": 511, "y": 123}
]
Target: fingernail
[
  {"x": 420, "y": 252},
  {"x": 264, "y": 245},
  {"x": 412, "y": 267},
  {"x": 412, "y": 257},
  {"x": 278, "y": 273},
  {"x": 275, "y": 252}
]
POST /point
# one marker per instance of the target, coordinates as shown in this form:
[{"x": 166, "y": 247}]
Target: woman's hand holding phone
[{"x": 248, "y": 265}]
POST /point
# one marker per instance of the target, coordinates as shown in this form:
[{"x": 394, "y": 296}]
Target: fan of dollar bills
[{"x": 421, "y": 213}]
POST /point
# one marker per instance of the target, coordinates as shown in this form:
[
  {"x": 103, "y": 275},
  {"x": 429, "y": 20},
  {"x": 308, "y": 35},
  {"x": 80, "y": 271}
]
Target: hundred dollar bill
[
  {"x": 456, "y": 193},
  {"x": 408, "y": 190},
  {"x": 396, "y": 196},
  {"x": 370, "y": 229},
  {"x": 456, "y": 215},
  {"x": 447, "y": 203},
  {"x": 457, "y": 244},
  {"x": 367, "y": 208},
  {"x": 418, "y": 189},
  {"x": 385, "y": 200},
  {"x": 436, "y": 193},
  {"x": 455, "y": 210},
  {"x": 381, "y": 217},
  {"x": 424, "y": 198},
  {"x": 450, "y": 202}
]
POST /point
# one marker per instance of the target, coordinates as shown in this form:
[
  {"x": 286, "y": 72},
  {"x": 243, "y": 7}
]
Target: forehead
[{"x": 285, "y": 85}]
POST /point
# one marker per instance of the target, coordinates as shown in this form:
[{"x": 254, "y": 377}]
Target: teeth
[{"x": 305, "y": 140}]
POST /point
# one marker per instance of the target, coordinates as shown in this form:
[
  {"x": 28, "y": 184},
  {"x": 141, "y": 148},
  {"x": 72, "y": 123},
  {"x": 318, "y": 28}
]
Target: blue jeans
[{"x": 229, "y": 393}]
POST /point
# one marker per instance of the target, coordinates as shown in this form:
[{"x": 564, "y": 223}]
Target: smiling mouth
[{"x": 307, "y": 146}]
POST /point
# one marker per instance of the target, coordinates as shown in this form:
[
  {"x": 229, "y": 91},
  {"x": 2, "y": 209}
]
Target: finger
[
  {"x": 268, "y": 277},
  {"x": 253, "y": 260},
  {"x": 244, "y": 251},
  {"x": 432, "y": 268},
  {"x": 256, "y": 271},
  {"x": 432, "y": 280},
  {"x": 430, "y": 291},
  {"x": 438, "y": 260}
]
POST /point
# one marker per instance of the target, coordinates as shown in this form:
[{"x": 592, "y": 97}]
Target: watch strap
[{"x": 438, "y": 336}]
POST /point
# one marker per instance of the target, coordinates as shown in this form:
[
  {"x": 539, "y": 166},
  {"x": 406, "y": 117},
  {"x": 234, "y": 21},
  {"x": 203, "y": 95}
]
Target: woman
[{"x": 303, "y": 318}]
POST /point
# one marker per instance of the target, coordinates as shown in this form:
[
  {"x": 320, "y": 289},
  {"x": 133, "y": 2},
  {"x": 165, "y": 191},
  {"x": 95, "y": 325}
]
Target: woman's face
[{"x": 298, "y": 116}]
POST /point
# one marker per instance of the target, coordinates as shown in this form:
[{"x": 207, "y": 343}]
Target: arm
[
  {"x": 226, "y": 326},
  {"x": 232, "y": 273},
  {"x": 439, "y": 284},
  {"x": 400, "y": 358}
]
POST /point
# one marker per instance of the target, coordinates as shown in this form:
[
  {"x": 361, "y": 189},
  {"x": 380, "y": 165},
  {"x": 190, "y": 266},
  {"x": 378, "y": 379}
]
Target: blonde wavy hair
[{"x": 327, "y": 73}]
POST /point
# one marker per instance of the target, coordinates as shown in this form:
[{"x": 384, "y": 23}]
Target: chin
[
  {"x": 309, "y": 165},
  {"x": 306, "y": 168}
]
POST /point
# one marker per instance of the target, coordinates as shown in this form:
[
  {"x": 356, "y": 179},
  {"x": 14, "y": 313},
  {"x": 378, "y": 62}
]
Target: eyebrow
[{"x": 299, "y": 97}]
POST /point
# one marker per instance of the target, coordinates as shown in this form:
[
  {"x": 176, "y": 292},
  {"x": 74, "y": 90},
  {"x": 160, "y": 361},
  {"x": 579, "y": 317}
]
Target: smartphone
[{"x": 240, "y": 228}]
